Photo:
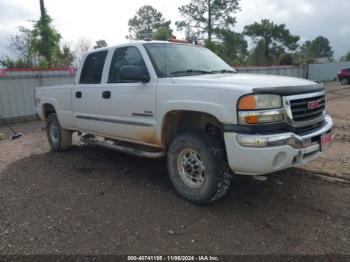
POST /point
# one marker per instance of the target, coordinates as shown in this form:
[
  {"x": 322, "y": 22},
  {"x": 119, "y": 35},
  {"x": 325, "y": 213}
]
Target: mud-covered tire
[
  {"x": 345, "y": 81},
  {"x": 211, "y": 152},
  {"x": 59, "y": 139}
]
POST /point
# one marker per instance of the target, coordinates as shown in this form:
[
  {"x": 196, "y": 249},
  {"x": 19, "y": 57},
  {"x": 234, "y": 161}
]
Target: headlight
[
  {"x": 256, "y": 102},
  {"x": 258, "y": 109}
]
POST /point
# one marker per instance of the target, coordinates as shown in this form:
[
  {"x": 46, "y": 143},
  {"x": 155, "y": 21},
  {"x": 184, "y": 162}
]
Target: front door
[{"x": 128, "y": 107}]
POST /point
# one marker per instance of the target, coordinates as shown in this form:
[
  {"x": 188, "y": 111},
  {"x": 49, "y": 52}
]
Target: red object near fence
[{"x": 2, "y": 72}]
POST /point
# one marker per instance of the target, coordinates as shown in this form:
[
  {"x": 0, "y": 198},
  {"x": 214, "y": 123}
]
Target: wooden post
[{"x": 42, "y": 8}]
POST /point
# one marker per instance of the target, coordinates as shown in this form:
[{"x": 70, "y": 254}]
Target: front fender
[{"x": 218, "y": 111}]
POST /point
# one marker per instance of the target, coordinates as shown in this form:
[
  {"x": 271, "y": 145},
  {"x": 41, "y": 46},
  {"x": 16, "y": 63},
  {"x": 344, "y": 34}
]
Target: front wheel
[
  {"x": 59, "y": 139},
  {"x": 198, "y": 168},
  {"x": 345, "y": 81}
]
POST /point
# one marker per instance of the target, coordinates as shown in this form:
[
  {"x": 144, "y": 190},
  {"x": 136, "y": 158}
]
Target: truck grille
[{"x": 307, "y": 108}]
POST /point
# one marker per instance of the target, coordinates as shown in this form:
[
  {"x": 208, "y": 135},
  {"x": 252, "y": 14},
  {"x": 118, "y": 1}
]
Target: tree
[
  {"x": 24, "y": 53},
  {"x": 8, "y": 62},
  {"x": 163, "y": 33},
  {"x": 345, "y": 57},
  {"x": 84, "y": 45},
  {"x": 22, "y": 49},
  {"x": 46, "y": 39},
  {"x": 232, "y": 47},
  {"x": 65, "y": 57},
  {"x": 285, "y": 59},
  {"x": 271, "y": 39},
  {"x": 39, "y": 47},
  {"x": 22, "y": 46},
  {"x": 208, "y": 16},
  {"x": 317, "y": 48},
  {"x": 192, "y": 36},
  {"x": 257, "y": 55},
  {"x": 100, "y": 43},
  {"x": 146, "y": 22},
  {"x": 235, "y": 47}
]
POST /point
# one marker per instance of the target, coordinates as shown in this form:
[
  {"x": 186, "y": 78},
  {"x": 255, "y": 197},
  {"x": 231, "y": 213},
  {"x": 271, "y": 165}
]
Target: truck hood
[{"x": 253, "y": 83}]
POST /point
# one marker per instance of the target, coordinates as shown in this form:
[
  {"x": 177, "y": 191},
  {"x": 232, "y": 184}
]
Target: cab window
[
  {"x": 93, "y": 68},
  {"x": 122, "y": 57}
]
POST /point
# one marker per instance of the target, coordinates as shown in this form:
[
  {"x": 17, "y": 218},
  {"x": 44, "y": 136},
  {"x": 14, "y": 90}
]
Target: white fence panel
[
  {"x": 326, "y": 72},
  {"x": 17, "y": 89},
  {"x": 292, "y": 71}
]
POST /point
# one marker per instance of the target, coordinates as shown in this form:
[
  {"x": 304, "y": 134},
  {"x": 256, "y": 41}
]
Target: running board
[{"x": 129, "y": 149}]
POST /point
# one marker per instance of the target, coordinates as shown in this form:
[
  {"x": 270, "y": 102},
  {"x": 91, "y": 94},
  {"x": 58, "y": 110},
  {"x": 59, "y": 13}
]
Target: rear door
[
  {"x": 86, "y": 94},
  {"x": 128, "y": 107}
]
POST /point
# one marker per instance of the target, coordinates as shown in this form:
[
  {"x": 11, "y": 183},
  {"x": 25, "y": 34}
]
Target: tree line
[
  {"x": 212, "y": 22},
  {"x": 208, "y": 22},
  {"x": 42, "y": 47}
]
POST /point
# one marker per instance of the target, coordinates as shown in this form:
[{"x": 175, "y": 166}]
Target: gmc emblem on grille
[{"x": 313, "y": 105}]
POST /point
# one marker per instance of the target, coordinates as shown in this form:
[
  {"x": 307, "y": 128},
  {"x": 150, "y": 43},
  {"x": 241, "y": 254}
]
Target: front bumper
[{"x": 263, "y": 154}]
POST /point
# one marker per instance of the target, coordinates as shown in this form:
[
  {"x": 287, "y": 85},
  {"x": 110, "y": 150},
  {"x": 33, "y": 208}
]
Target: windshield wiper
[
  {"x": 190, "y": 71},
  {"x": 223, "y": 71}
]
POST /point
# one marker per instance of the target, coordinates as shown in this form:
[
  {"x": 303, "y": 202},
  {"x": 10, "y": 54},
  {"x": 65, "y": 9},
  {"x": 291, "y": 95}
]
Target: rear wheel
[
  {"x": 59, "y": 139},
  {"x": 198, "y": 168},
  {"x": 345, "y": 81}
]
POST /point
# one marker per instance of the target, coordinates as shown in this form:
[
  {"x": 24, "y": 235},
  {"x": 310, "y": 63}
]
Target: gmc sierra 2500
[{"x": 179, "y": 100}]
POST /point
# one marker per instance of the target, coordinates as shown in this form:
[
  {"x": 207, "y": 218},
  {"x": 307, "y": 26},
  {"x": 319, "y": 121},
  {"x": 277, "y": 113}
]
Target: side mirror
[{"x": 133, "y": 73}]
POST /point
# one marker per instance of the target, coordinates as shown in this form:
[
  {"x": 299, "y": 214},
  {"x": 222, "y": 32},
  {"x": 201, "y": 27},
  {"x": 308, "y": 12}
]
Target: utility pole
[{"x": 42, "y": 8}]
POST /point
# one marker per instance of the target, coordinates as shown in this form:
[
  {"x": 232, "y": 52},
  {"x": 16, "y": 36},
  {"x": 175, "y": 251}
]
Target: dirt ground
[{"x": 92, "y": 201}]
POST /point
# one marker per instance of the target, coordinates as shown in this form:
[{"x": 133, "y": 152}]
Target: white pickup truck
[{"x": 156, "y": 99}]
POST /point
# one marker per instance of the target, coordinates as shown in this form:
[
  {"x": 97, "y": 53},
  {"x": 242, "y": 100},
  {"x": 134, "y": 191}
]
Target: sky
[{"x": 108, "y": 19}]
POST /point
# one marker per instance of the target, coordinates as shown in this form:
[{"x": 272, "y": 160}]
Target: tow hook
[{"x": 298, "y": 158}]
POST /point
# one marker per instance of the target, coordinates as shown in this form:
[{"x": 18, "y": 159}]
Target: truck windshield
[{"x": 172, "y": 60}]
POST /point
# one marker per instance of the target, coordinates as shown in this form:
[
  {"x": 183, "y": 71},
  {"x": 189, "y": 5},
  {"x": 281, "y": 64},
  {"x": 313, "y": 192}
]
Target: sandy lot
[{"x": 96, "y": 201}]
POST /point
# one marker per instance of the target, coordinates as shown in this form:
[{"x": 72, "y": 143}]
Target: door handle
[
  {"x": 106, "y": 95},
  {"x": 78, "y": 94}
]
